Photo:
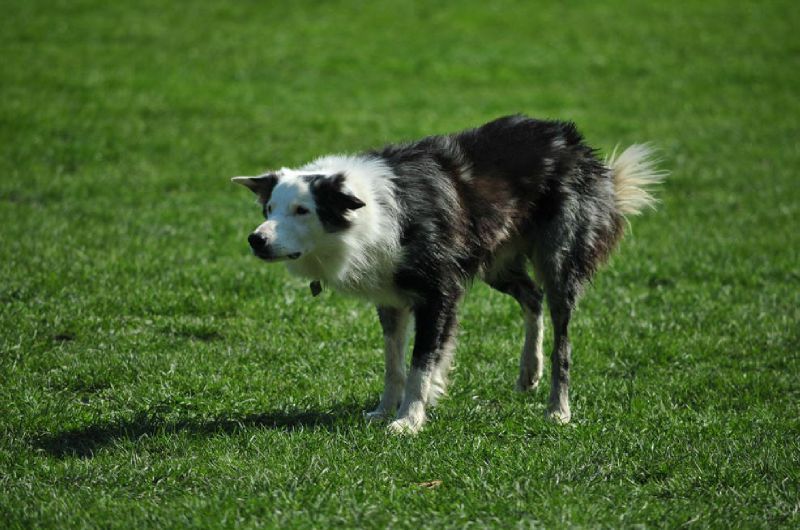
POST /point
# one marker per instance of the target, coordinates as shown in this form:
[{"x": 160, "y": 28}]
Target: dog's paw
[
  {"x": 377, "y": 415},
  {"x": 559, "y": 416},
  {"x": 437, "y": 390},
  {"x": 404, "y": 426},
  {"x": 526, "y": 384}
]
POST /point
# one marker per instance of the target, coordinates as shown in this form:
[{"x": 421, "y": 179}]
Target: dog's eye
[{"x": 300, "y": 210}]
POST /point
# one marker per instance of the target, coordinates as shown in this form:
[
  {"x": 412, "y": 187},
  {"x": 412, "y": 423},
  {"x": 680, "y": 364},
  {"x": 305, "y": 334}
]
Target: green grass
[{"x": 153, "y": 374}]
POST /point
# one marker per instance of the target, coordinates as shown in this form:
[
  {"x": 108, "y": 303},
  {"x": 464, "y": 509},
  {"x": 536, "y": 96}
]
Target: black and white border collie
[{"x": 407, "y": 227}]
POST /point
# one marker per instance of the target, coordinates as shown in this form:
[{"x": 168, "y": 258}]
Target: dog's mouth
[{"x": 272, "y": 258}]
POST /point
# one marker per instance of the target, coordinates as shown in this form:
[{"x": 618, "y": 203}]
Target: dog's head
[{"x": 303, "y": 211}]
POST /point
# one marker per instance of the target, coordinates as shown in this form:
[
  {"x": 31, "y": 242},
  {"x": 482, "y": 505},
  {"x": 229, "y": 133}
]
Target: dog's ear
[
  {"x": 332, "y": 192},
  {"x": 261, "y": 185},
  {"x": 333, "y": 201}
]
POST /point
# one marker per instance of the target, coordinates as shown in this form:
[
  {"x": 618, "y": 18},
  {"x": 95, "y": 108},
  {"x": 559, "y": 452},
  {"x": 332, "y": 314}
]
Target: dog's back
[{"x": 531, "y": 184}]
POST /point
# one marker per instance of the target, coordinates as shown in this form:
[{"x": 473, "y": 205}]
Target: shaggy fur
[{"x": 407, "y": 227}]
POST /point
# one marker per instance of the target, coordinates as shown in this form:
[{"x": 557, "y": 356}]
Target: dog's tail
[{"x": 635, "y": 175}]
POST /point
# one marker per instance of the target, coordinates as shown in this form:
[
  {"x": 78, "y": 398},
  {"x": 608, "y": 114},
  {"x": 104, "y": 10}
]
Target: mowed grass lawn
[{"x": 154, "y": 374}]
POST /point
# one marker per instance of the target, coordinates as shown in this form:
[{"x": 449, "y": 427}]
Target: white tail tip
[{"x": 635, "y": 175}]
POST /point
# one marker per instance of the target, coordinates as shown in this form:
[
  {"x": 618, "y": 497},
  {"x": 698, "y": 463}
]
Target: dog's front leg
[
  {"x": 435, "y": 321},
  {"x": 394, "y": 322}
]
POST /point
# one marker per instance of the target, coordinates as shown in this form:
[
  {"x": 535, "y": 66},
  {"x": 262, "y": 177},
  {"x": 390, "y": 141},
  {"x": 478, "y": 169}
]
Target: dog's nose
[{"x": 257, "y": 242}]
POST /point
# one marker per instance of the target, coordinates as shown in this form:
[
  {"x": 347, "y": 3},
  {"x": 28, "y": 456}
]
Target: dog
[{"x": 409, "y": 226}]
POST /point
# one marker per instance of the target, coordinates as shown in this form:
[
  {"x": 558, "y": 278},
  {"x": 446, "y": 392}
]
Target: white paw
[
  {"x": 559, "y": 416},
  {"x": 404, "y": 426},
  {"x": 436, "y": 392},
  {"x": 526, "y": 384}
]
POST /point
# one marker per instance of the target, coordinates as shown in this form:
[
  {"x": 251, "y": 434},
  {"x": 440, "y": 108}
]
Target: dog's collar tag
[{"x": 316, "y": 287}]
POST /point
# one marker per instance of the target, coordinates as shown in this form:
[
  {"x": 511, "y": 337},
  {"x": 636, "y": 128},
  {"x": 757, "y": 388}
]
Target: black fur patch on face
[{"x": 333, "y": 202}]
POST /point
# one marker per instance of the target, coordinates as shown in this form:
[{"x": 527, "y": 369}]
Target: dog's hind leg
[
  {"x": 395, "y": 323},
  {"x": 435, "y": 329},
  {"x": 562, "y": 300},
  {"x": 516, "y": 282}
]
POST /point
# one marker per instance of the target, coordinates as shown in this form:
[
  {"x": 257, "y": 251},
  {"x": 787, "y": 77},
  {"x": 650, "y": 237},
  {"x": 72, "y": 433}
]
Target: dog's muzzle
[{"x": 264, "y": 250}]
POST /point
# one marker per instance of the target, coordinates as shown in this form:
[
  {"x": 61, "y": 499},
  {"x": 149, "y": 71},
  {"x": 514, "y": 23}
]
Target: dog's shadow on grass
[{"x": 83, "y": 442}]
